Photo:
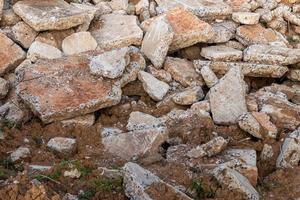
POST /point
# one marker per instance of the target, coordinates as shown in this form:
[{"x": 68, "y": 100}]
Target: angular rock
[
  {"x": 78, "y": 43},
  {"x": 248, "y": 18},
  {"x": 294, "y": 74},
  {"x": 51, "y": 88},
  {"x": 64, "y": 147},
  {"x": 227, "y": 98},
  {"x": 233, "y": 180},
  {"x": 189, "y": 96},
  {"x": 269, "y": 54},
  {"x": 155, "y": 88},
  {"x": 11, "y": 55},
  {"x": 74, "y": 173},
  {"x": 141, "y": 184},
  {"x": 223, "y": 31},
  {"x": 83, "y": 121},
  {"x": 182, "y": 71},
  {"x": 267, "y": 152},
  {"x": 49, "y": 15},
  {"x": 268, "y": 127},
  {"x": 256, "y": 34},
  {"x": 9, "y": 18},
  {"x": 248, "y": 69},
  {"x": 23, "y": 34},
  {"x": 142, "y": 121},
  {"x": 160, "y": 74},
  {"x": 157, "y": 41},
  {"x": 39, "y": 50},
  {"x": 110, "y": 64},
  {"x": 209, "y": 76},
  {"x": 21, "y": 152},
  {"x": 134, "y": 144},
  {"x": 290, "y": 151},
  {"x": 221, "y": 53},
  {"x": 249, "y": 124},
  {"x": 202, "y": 105},
  {"x": 91, "y": 12},
  {"x": 119, "y": 4},
  {"x": 201, "y": 8},
  {"x": 113, "y": 31},
  {"x": 4, "y": 87}
]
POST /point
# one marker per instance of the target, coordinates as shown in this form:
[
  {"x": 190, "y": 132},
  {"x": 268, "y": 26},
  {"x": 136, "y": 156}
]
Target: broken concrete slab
[
  {"x": 249, "y": 124},
  {"x": 49, "y": 15},
  {"x": 136, "y": 143},
  {"x": 270, "y": 54},
  {"x": 157, "y": 41},
  {"x": 11, "y": 55},
  {"x": 248, "y": 69},
  {"x": 113, "y": 31},
  {"x": 155, "y": 88},
  {"x": 51, "y": 88},
  {"x": 221, "y": 53},
  {"x": 227, "y": 98}
]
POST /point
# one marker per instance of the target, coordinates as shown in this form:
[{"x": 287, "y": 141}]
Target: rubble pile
[{"x": 209, "y": 86}]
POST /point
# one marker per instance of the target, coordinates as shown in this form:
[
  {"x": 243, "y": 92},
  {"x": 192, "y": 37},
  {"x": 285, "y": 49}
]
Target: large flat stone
[
  {"x": 227, "y": 98},
  {"x": 49, "y": 15},
  {"x": 201, "y": 8},
  {"x": 115, "y": 31},
  {"x": 64, "y": 88},
  {"x": 11, "y": 55},
  {"x": 221, "y": 53},
  {"x": 248, "y": 69}
]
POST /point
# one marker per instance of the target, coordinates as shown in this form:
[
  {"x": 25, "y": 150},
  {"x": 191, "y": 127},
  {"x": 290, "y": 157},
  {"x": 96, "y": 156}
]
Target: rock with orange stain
[
  {"x": 64, "y": 88},
  {"x": 11, "y": 55}
]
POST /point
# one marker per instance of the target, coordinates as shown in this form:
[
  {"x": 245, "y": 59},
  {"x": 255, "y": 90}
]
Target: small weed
[
  {"x": 109, "y": 184},
  {"x": 87, "y": 194},
  {"x": 11, "y": 124},
  {"x": 197, "y": 186},
  {"x": 3, "y": 174},
  {"x": 84, "y": 171},
  {"x": 211, "y": 193}
]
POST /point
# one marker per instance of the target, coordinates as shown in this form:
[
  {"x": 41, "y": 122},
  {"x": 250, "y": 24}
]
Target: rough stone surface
[
  {"x": 11, "y": 55},
  {"x": 49, "y": 15},
  {"x": 39, "y": 50},
  {"x": 160, "y": 74},
  {"x": 248, "y": 123},
  {"x": 21, "y": 152},
  {"x": 189, "y": 96},
  {"x": 78, "y": 43},
  {"x": 248, "y": 18},
  {"x": 110, "y": 64},
  {"x": 1, "y": 7},
  {"x": 155, "y": 88},
  {"x": 142, "y": 121},
  {"x": 52, "y": 96},
  {"x": 182, "y": 71},
  {"x": 83, "y": 121},
  {"x": 62, "y": 146},
  {"x": 23, "y": 34},
  {"x": 9, "y": 18},
  {"x": 141, "y": 184},
  {"x": 223, "y": 31},
  {"x": 157, "y": 41},
  {"x": 209, "y": 76},
  {"x": 227, "y": 98},
  {"x": 270, "y": 54},
  {"x": 4, "y": 87},
  {"x": 117, "y": 31},
  {"x": 294, "y": 74},
  {"x": 248, "y": 69},
  {"x": 221, "y": 53},
  {"x": 136, "y": 143}
]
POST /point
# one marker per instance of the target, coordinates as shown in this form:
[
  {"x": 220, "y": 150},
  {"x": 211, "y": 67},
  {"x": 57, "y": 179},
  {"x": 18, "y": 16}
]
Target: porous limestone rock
[
  {"x": 248, "y": 18},
  {"x": 221, "y": 53},
  {"x": 39, "y": 50},
  {"x": 23, "y": 34},
  {"x": 189, "y": 96},
  {"x": 78, "y": 43}
]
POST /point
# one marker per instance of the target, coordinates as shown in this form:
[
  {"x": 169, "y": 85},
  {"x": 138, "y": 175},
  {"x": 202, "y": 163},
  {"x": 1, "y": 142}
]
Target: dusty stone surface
[
  {"x": 160, "y": 74},
  {"x": 189, "y": 96},
  {"x": 39, "y": 50},
  {"x": 83, "y": 121},
  {"x": 157, "y": 41},
  {"x": 269, "y": 54},
  {"x": 227, "y": 98},
  {"x": 21, "y": 152},
  {"x": 11, "y": 55},
  {"x": 78, "y": 43},
  {"x": 182, "y": 71},
  {"x": 221, "y": 53},
  {"x": 141, "y": 121},
  {"x": 209, "y": 76},
  {"x": 4, "y": 88},
  {"x": 248, "y": 123},
  {"x": 38, "y": 89},
  {"x": 223, "y": 31},
  {"x": 62, "y": 146},
  {"x": 117, "y": 31},
  {"x": 23, "y": 34},
  {"x": 9, "y": 18},
  {"x": 155, "y": 88},
  {"x": 248, "y": 18},
  {"x": 37, "y": 14},
  {"x": 248, "y": 69},
  {"x": 1, "y": 8},
  {"x": 110, "y": 64},
  {"x": 294, "y": 74}
]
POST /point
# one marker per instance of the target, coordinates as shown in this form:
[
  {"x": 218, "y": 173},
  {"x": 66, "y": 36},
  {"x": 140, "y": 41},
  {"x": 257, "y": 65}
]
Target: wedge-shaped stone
[
  {"x": 189, "y": 96},
  {"x": 227, "y": 98},
  {"x": 221, "y": 53},
  {"x": 257, "y": 34},
  {"x": 49, "y": 15},
  {"x": 141, "y": 184},
  {"x": 157, "y": 41},
  {"x": 248, "y": 69},
  {"x": 115, "y": 31},
  {"x": 201, "y": 8},
  {"x": 135, "y": 143},
  {"x": 141, "y": 121},
  {"x": 183, "y": 71},
  {"x": 269, "y": 54},
  {"x": 290, "y": 151},
  {"x": 11, "y": 55},
  {"x": 64, "y": 88},
  {"x": 233, "y": 180}
]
